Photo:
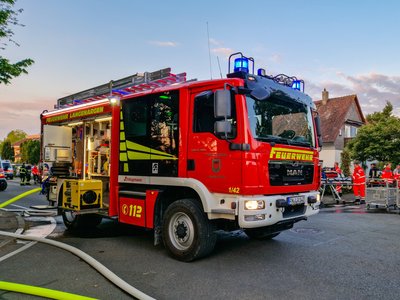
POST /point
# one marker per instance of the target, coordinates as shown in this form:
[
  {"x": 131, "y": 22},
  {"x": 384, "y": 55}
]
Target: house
[
  {"x": 17, "y": 146},
  {"x": 340, "y": 119}
]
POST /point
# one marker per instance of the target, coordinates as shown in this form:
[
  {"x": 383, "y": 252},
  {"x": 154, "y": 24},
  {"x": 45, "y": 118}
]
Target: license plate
[{"x": 296, "y": 200}]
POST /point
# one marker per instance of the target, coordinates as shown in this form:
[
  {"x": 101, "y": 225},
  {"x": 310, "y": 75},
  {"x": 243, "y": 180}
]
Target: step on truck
[{"x": 186, "y": 158}]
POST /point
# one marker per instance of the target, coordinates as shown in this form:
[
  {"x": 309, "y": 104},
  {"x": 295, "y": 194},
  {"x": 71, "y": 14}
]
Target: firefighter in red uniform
[
  {"x": 387, "y": 173},
  {"x": 337, "y": 169},
  {"x": 359, "y": 183},
  {"x": 396, "y": 175}
]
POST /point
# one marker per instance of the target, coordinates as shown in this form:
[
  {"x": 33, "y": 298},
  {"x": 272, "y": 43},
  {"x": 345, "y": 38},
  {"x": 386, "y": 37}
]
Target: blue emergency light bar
[
  {"x": 241, "y": 64},
  {"x": 298, "y": 85}
]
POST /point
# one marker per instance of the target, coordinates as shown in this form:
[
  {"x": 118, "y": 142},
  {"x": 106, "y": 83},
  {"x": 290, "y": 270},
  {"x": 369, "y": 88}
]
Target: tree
[
  {"x": 30, "y": 151},
  {"x": 346, "y": 161},
  {"x": 379, "y": 139},
  {"x": 13, "y": 136},
  {"x": 7, "y": 152},
  {"x": 8, "y": 17},
  {"x": 16, "y": 135}
]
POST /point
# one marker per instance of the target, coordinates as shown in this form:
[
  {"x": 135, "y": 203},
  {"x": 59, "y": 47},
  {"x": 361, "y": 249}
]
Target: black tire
[
  {"x": 3, "y": 185},
  {"x": 75, "y": 222},
  {"x": 187, "y": 233},
  {"x": 260, "y": 233}
]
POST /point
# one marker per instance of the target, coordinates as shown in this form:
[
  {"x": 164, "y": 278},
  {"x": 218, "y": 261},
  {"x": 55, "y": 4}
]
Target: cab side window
[{"x": 204, "y": 119}]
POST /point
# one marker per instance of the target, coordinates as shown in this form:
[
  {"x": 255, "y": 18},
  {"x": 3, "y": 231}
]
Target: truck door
[{"x": 209, "y": 158}]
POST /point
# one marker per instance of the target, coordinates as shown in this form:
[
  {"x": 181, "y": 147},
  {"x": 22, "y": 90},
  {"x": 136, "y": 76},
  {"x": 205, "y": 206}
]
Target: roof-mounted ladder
[{"x": 126, "y": 86}]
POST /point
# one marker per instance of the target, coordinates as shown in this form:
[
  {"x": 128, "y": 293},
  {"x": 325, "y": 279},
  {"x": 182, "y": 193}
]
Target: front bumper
[{"x": 274, "y": 213}]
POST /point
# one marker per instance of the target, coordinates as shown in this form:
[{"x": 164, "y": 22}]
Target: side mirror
[
  {"x": 318, "y": 126},
  {"x": 222, "y": 110},
  {"x": 223, "y": 128},
  {"x": 320, "y": 142},
  {"x": 318, "y": 130},
  {"x": 222, "y": 104}
]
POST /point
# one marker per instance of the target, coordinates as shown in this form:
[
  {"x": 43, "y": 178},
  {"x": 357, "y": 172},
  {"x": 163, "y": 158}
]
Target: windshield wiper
[
  {"x": 280, "y": 140},
  {"x": 273, "y": 139},
  {"x": 298, "y": 143}
]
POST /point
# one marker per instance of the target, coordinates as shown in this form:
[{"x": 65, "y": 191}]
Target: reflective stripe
[
  {"x": 138, "y": 155},
  {"x": 123, "y": 157}
]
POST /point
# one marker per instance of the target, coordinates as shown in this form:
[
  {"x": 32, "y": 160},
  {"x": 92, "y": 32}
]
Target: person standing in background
[
  {"x": 373, "y": 172},
  {"x": 396, "y": 172},
  {"x": 387, "y": 173},
  {"x": 22, "y": 174},
  {"x": 339, "y": 172},
  {"x": 358, "y": 183}
]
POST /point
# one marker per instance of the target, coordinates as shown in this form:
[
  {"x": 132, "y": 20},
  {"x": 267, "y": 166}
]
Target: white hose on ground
[{"x": 123, "y": 285}]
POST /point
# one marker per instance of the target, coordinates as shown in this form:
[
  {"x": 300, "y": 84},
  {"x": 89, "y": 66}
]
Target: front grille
[
  {"x": 288, "y": 173},
  {"x": 295, "y": 210}
]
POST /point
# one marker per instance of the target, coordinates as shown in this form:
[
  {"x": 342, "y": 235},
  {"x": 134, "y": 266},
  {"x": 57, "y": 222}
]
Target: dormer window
[{"x": 350, "y": 131}]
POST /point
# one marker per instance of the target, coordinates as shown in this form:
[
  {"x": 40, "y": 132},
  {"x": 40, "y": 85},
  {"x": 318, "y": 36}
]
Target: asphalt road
[{"x": 344, "y": 252}]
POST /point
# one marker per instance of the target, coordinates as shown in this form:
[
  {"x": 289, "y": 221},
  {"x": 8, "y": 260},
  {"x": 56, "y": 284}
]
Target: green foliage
[
  {"x": 379, "y": 139},
  {"x": 16, "y": 135},
  {"x": 30, "y": 151},
  {"x": 7, "y": 152},
  {"x": 8, "y": 70},
  {"x": 346, "y": 161},
  {"x": 8, "y": 17},
  {"x": 12, "y": 137}
]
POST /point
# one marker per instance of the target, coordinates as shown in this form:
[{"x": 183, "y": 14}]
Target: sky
[{"x": 345, "y": 46}]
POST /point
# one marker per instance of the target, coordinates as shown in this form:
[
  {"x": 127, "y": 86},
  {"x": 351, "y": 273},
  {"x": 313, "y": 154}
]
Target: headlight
[{"x": 254, "y": 204}]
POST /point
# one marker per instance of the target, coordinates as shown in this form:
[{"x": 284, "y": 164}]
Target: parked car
[
  {"x": 3, "y": 181},
  {"x": 7, "y": 168}
]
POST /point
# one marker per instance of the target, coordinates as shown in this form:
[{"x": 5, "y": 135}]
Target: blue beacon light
[
  {"x": 296, "y": 85},
  {"x": 241, "y": 64}
]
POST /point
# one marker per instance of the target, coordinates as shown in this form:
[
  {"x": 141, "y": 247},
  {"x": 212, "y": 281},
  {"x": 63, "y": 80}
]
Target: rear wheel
[
  {"x": 260, "y": 233},
  {"x": 74, "y": 221},
  {"x": 187, "y": 232}
]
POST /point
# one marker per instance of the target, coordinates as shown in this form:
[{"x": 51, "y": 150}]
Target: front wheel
[
  {"x": 187, "y": 232},
  {"x": 3, "y": 185},
  {"x": 74, "y": 221}
]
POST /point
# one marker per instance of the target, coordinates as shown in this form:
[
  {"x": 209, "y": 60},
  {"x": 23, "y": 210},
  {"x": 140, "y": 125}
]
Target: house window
[{"x": 350, "y": 131}]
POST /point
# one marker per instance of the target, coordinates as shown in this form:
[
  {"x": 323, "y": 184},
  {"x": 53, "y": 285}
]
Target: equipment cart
[
  {"x": 381, "y": 194},
  {"x": 332, "y": 183}
]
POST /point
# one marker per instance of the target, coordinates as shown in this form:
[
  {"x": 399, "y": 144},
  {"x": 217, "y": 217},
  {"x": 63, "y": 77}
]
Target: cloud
[
  {"x": 224, "y": 52},
  {"x": 24, "y": 115},
  {"x": 215, "y": 42},
  {"x": 276, "y": 58},
  {"x": 373, "y": 90},
  {"x": 164, "y": 43}
]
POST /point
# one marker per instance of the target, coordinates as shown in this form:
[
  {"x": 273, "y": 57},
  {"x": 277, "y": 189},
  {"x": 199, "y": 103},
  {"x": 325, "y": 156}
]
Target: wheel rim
[
  {"x": 70, "y": 216},
  {"x": 181, "y": 231}
]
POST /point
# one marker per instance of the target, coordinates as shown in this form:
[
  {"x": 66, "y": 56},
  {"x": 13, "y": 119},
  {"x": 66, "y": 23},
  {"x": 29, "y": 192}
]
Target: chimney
[{"x": 325, "y": 96}]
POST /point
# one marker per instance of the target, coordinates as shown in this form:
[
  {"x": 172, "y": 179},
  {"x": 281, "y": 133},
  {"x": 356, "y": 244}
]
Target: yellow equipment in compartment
[{"x": 82, "y": 194}]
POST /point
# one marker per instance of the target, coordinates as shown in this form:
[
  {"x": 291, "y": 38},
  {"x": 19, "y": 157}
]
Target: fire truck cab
[{"x": 186, "y": 158}]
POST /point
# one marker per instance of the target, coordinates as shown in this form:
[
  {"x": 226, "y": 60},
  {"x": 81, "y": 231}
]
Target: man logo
[{"x": 294, "y": 172}]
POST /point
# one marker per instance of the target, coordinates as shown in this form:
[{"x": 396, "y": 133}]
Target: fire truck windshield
[{"x": 281, "y": 121}]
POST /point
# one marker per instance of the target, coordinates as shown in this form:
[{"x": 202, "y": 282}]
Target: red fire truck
[{"x": 186, "y": 158}]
